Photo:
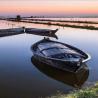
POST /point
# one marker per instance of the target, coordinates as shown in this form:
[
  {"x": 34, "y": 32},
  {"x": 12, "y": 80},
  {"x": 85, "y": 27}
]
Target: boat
[
  {"x": 59, "y": 55},
  {"x": 21, "y": 30},
  {"x": 76, "y": 80},
  {"x": 11, "y": 31},
  {"x": 42, "y": 32}
]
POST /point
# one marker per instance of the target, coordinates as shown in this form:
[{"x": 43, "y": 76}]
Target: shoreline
[
  {"x": 59, "y": 24},
  {"x": 89, "y": 92},
  {"x": 68, "y": 21}
]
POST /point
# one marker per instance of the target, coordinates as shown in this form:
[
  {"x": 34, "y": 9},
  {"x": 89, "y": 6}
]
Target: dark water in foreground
[{"x": 21, "y": 78}]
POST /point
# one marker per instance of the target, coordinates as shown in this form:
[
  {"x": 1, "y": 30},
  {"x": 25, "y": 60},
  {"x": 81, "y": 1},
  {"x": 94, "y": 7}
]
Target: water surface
[{"x": 19, "y": 77}]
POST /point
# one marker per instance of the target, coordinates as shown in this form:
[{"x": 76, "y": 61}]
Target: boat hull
[
  {"x": 62, "y": 65},
  {"x": 72, "y": 66},
  {"x": 73, "y": 79},
  {"x": 42, "y": 32}
]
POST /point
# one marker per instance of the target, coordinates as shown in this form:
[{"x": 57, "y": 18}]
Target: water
[
  {"x": 94, "y": 20},
  {"x": 20, "y": 78},
  {"x": 72, "y": 19}
]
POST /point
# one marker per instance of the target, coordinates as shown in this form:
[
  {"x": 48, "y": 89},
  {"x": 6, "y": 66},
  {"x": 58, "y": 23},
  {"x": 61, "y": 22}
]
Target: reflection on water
[
  {"x": 72, "y": 79},
  {"x": 94, "y": 20},
  {"x": 19, "y": 78}
]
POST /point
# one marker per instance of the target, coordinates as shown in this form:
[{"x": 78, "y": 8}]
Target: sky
[{"x": 49, "y": 7}]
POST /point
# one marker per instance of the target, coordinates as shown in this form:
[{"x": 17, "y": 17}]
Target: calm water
[
  {"x": 73, "y": 19},
  {"x": 20, "y": 77},
  {"x": 95, "y": 20}
]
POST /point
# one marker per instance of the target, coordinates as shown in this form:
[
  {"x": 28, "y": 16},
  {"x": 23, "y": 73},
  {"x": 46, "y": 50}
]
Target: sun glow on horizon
[{"x": 49, "y": 7}]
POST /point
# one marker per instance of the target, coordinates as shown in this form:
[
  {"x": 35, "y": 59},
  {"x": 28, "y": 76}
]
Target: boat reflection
[{"x": 73, "y": 79}]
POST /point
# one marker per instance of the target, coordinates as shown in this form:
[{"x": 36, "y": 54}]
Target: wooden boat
[
  {"x": 11, "y": 31},
  {"x": 59, "y": 55},
  {"x": 21, "y": 30},
  {"x": 42, "y": 32},
  {"x": 72, "y": 79}
]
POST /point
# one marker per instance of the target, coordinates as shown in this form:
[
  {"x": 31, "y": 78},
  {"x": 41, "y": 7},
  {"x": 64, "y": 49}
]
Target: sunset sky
[{"x": 49, "y": 7}]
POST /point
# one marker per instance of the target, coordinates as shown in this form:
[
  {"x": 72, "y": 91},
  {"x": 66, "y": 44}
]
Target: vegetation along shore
[{"x": 90, "y": 92}]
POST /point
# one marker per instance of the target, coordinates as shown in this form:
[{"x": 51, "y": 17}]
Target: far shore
[{"x": 61, "y": 23}]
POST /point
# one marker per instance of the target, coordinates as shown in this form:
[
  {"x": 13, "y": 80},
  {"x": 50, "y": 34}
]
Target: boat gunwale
[{"x": 88, "y": 57}]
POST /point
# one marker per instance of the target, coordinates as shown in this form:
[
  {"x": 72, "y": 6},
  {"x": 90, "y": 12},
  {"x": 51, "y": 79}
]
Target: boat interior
[{"x": 59, "y": 51}]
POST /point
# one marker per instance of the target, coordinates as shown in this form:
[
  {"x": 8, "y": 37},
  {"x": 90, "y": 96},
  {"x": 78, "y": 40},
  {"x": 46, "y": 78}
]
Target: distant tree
[
  {"x": 18, "y": 18},
  {"x": 31, "y": 16}
]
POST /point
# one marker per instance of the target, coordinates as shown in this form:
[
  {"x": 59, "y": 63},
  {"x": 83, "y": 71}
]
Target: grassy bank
[{"x": 91, "y": 92}]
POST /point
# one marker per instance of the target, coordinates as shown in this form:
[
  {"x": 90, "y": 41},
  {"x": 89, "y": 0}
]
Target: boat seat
[{"x": 58, "y": 56}]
